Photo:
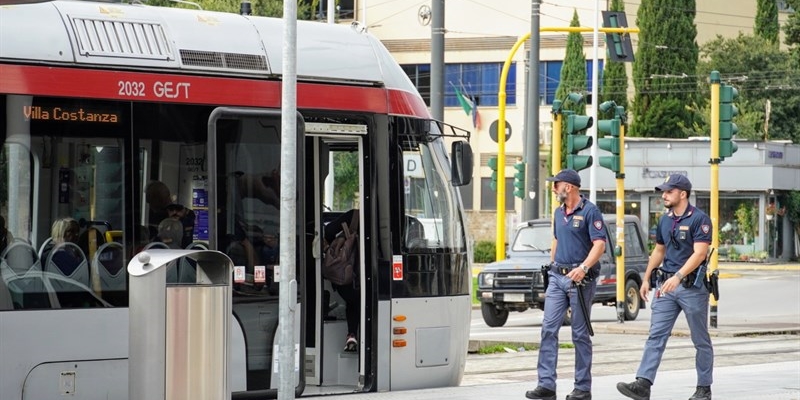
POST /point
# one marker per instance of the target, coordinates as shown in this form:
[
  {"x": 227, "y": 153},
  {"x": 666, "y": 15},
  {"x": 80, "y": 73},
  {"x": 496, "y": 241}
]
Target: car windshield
[{"x": 533, "y": 238}]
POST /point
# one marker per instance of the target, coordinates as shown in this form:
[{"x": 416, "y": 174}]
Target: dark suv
[{"x": 515, "y": 284}]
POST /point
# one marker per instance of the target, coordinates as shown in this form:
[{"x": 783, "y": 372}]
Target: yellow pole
[
  {"x": 555, "y": 164},
  {"x": 500, "y": 243},
  {"x": 714, "y": 212},
  {"x": 621, "y": 227}
]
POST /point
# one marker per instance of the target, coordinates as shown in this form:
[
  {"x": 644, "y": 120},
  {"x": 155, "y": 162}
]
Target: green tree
[
  {"x": 767, "y": 21},
  {"x": 615, "y": 78},
  {"x": 792, "y": 31},
  {"x": 264, "y": 8},
  {"x": 345, "y": 180},
  {"x": 760, "y": 72},
  {"x": 573, "y": 79},
  {"x": 663, "y": 74}
]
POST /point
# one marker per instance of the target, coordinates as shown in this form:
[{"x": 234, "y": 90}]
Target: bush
[{"x": 484, "y": 252}]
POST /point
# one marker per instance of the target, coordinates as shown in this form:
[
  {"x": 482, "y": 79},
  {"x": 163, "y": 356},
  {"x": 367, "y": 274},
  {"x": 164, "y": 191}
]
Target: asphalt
[{"x": 731, "y": 328}]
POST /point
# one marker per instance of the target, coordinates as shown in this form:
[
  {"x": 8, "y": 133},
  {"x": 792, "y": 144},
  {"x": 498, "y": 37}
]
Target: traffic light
[
  {"x": 577, "y": 141},
  {"x": 519, "y": 180},
  {"x": 493, "y": 166},
  {"x": 610, "y": 143},
  {"x": 727, "y": 129}
]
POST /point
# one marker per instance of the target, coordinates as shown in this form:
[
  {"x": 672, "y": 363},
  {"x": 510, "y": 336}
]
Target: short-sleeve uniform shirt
[
  {"x": 680, "y": 233},
  {"x": 575, "y": 230}
]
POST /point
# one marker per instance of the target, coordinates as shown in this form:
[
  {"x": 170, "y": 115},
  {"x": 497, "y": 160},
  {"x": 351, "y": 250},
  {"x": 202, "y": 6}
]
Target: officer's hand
[
  {"x": 576, "y": 275},
  {"x": 670, "y": 285},
  {"x": 644, "y": 290}
]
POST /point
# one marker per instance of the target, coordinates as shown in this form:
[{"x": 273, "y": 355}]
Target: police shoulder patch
[
  {"x": 598, "y": 225},
  {"x": 705, "y": 228}
]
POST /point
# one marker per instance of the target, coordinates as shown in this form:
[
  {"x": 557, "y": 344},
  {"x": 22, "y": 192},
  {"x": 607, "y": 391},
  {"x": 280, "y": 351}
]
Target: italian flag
[{"x": 469, "y": 106}]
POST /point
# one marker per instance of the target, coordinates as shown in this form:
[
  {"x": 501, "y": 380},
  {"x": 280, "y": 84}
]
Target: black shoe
[
  {"x": 702, "y": 393},
  {"x": 637, "y": 390},
  {"x": 579, "y": 395},
  {"x": 541, "y": 394}
]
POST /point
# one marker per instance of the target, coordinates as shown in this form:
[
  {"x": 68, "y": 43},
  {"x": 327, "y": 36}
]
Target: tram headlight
[{"x": 487, "y": 279}]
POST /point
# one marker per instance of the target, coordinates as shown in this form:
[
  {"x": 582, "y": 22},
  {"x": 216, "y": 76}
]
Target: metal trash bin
[{"x": 179, "y": 332}]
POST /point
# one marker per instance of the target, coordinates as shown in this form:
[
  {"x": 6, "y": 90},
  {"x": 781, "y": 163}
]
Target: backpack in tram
[{"x": 340, "y": 255}]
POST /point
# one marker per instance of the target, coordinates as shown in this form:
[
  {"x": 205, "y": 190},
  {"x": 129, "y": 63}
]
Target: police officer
[
  {"x": 579, "y": 239},
  {"x": 682, "y": 241}
]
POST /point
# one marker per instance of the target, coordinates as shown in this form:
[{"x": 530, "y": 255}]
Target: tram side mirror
[{"x": 461, "y": 163}]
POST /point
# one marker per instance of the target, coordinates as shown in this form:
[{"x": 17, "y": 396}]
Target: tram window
[
  {"x": 432, "y": 220},
  {"x": 62, "y": 160}
]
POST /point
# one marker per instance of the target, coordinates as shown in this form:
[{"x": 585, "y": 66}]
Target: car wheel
[
  {"x": 632, "y": 300},
  {"x": 492, "y": 316}
]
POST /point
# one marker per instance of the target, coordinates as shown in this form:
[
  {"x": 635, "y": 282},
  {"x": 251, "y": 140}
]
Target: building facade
[{"x": 479, "y": 35}]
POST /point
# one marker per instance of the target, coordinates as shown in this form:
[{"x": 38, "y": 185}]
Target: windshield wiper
[{"x": 533, "y": 247}]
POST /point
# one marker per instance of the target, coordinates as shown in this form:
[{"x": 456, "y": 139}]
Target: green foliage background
[
  {"x": 573, "y": 79},
  {"x": 665, "y": 60}
]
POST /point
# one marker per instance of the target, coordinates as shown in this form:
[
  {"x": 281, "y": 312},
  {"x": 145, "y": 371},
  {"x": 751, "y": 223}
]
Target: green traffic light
[
  {"x": 610, "y": 144},
  {"x": 727, "y": 148},
  {"x": 576, "y": 143},
  {"x": 578, "y": 123},
  {"x": 610, "y": 162},
  {"x": 519, "y": 180},
  {"x": 609, "y": 127},
  {"x": 727, "y": 128},
  {"x": 579, "y": 162}
]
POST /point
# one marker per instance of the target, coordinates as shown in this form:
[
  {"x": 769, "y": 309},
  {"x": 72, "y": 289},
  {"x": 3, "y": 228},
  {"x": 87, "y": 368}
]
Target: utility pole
[
  {"x": 437, "y": 60},
  {"x": 287, "y": 348},
  {"x": 530, "y": 204}
]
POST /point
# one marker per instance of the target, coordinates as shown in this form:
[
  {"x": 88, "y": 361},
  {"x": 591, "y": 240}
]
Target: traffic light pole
[
  {"x": 621, "y": 228},
  {"x": 714, "y": 212},
  {"x": 555, "y": 150},
  {"x": 501, "y": 122}
]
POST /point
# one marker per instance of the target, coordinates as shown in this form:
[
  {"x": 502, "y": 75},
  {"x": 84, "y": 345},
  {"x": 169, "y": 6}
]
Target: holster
[
  {"x": 546, "y": 276},
  {"x": 712, "y": 284}
]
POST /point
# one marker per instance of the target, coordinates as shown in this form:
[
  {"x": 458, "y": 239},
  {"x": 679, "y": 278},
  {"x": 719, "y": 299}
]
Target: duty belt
[{"x": 563, "y": 269}]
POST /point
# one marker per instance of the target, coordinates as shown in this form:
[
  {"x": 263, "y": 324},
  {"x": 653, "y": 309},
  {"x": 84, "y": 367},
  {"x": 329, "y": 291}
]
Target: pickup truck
[{"x": 515, "y": 284}]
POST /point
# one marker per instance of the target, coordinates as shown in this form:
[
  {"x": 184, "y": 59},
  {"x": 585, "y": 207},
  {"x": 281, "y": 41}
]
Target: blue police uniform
[
  {"x": 679, "y": 234},
  {"x": 574, "y": 231}
]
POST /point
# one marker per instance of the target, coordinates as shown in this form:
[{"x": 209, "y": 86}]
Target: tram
[{"x": 122, "y": 123}]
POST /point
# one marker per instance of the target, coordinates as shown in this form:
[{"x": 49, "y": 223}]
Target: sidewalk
[{"x": 775, "y": 381}]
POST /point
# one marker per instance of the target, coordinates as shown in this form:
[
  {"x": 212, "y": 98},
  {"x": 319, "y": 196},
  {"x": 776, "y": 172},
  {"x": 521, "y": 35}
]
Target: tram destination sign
[{"x": 69, "y": 114}]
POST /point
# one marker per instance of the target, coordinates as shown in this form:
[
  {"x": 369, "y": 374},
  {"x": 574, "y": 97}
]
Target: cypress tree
[
  {"x": 767, "y": 20},
  {"x": 664, "y": 71},
  {"x": 615, "y": 78},
  {"x": 573, "y": 79}
]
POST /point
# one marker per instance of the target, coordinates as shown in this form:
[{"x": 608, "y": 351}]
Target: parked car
[{"x": 515, "y": 284}]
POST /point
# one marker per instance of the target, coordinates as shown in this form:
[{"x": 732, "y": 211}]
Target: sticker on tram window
[
  {"x": 260, "y": 274},
  {"x": 238, "y": 274},
  {"x": 397, "y": 268}
]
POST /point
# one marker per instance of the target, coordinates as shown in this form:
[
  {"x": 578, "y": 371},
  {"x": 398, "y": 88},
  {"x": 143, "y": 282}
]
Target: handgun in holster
[
  {"x": 546, "y": 276},
  {"x": 711, "y": 280},
  {"x": 712, "y": 284}
]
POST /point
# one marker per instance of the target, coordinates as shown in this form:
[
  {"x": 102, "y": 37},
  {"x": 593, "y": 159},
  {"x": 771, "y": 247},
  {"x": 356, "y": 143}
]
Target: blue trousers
[
  {"x": 561, "y": 293},
  {"x": 664, "y": 311}
]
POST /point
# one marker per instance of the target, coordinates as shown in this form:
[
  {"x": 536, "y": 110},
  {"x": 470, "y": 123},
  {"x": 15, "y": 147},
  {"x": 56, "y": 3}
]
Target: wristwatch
[{"x": 584, "y": 268}]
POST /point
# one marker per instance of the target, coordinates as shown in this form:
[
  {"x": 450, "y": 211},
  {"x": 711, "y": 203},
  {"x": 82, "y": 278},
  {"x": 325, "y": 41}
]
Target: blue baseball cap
[
  {"x": 567, "y": 175},
  {"x": 675, "y": 181}
]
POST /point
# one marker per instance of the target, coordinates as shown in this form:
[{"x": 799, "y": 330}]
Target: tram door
[
  {"x": 334, "y": 312},
  {"x": 245, "y": 150}
]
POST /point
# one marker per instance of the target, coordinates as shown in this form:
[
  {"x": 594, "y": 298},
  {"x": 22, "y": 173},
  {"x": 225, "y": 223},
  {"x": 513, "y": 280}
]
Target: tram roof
[{"x": 137, "y": 36}]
